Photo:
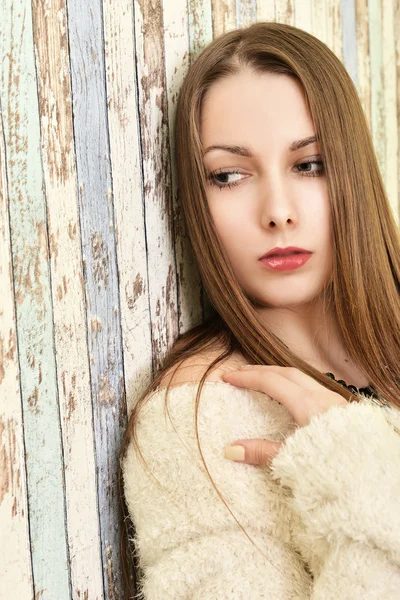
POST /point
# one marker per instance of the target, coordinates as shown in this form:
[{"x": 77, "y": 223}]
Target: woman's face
[{"x": 277, "y": 197}]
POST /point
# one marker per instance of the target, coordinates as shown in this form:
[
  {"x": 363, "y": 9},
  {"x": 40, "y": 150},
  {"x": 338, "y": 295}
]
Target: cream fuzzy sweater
[{"x": 325, "y": 515}]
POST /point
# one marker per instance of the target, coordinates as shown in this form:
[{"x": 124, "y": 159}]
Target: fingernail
[{"x": 234, "y": 452}]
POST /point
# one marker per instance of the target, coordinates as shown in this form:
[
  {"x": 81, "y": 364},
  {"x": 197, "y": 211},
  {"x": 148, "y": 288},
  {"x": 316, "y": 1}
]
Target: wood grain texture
[
  {"x": 15, "y": 559},
  {"x": 284, "y": 12},
  {"x": 363, "y": 58},
  {"x": 96, "y": 210},
  {"x": 391, "y": 125},
  {"x": 73, "y": 371},
  {"x": 30, "y": 259},
  {"x": 223, "y": 16},
  {"x": 200, "y": 26},
  {"x": 129, "y": 200},
  {"x": 160, "y": 234},
  {"x": 375, "y": 20},
  {"x": 396, "y": 23},
  {"x": 176, "y": 44},
  {"x": 96, "y": 272}
]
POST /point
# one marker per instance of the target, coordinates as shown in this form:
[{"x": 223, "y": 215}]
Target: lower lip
[{"x": 285, "y": 263}]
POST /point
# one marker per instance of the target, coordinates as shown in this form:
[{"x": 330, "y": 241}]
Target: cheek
[{"x": 232, "y": 223}]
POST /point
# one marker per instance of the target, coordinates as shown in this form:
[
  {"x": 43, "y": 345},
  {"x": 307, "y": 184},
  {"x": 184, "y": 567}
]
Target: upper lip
[{"x": 284, "y": 251}]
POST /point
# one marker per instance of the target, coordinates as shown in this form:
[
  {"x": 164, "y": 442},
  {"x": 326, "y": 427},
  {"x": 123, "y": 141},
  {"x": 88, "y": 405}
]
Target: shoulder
[{"x": 192, "y": 369}]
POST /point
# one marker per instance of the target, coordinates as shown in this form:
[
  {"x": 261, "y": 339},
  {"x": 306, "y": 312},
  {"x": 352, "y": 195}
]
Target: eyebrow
[{"x": 243, "y": 151}]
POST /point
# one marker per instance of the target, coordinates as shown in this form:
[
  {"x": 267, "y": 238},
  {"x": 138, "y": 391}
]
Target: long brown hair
[{"x": 364, "y": 286}]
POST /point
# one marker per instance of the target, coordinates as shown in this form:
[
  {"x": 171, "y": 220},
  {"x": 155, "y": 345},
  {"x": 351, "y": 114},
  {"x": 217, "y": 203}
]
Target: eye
[
  {"x": 224, "y": 175},
  {"x": 220, "y": 178},
  {"x": 307, "y": 163}
]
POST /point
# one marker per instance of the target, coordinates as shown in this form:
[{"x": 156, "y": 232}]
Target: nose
[{"x": 277, "y": 211}]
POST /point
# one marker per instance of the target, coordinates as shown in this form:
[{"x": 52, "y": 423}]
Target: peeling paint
[{"x": 4, "y": 465}]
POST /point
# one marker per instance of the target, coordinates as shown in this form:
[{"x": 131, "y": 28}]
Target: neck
[{"x": 313, "y": 334}]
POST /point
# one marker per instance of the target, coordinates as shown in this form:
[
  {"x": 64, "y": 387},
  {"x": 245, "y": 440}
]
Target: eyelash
[{"x": 221, "y": 186}]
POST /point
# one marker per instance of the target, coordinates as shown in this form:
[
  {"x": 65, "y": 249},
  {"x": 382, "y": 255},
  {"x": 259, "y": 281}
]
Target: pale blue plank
[{"x": 100, "y": 271}]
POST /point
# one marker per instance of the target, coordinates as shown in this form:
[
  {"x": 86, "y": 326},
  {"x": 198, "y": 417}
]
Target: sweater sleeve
[
  {"x": 343, "y": 474},
  {"x": 323, "y": 519},
  {"x": 187, "y": 543}
]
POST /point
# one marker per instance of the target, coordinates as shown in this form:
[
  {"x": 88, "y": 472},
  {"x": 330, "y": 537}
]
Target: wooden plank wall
[{"x": 96, "y": 275}]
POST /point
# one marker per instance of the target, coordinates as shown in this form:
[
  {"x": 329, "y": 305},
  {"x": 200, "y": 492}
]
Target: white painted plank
[
  {"x": 176, "y": 44},
  {"x": 390, "y": 105},
  {"x": 15, "y": 560},
  {"x": 123, "y": 115},
  {"x": 156, "y": 176}
]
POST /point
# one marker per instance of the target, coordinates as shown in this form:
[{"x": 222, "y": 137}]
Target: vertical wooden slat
[
  {"x": 284, "y": 12},
  {"x": 334, "y": 29},
  {"x": 246, "y": 12},
  {"x": 100, "y": 271},
  {"x": 390, "y": 108},
  {"x": 224, "y": 16},
  {"x": 176, "y": 43},
  {"x": 396, "y": 23},
  {"x": 349, "y": 37},
  {"x": 156, "y": 176},
  {"x": 200, "y": 26},
  {"x": 51, "y": 49},
  {"x": 266, "y": 10},
  {"x": 91, "y": 239},
  {"x": 44, "y": 452},
  {"x": 377, "y": 92},
  {"x": 303, "y": 15},
  {"x": 123, "y": 115},
  {"x": 363, "y": 58},
  {"x": 15, "y": 560},
  {"x": 320, "y": 21}
]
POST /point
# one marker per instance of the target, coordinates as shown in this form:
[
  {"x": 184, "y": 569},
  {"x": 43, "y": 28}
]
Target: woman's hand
[{"x": 299, "y": 393}]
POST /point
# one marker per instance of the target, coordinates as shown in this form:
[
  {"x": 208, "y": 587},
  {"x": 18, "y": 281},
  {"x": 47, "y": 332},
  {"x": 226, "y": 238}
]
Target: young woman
[{"x": 299, "y": 253}]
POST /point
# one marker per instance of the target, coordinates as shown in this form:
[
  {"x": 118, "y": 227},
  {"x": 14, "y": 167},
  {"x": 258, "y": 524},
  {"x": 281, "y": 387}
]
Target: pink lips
[
  {"x": 285, "y": 251},
  {"x": 285, "y": 259}
]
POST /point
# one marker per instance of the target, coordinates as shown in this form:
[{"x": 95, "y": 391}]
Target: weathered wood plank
[
  {"x": 363, "y": 58},
  {"x": 54, "y": 89},
  {"x": 284, "y": 11},
  {"x": 266, "y": 10},
  {"x": 335, "y": 27},
  {"x": 246, "y": 13},
  {"x": 396, "y": 22},
  {"x": 319, "y": 13},
  {"x": 31, "y": 275},
  {"x": 200, "y": 26},
  {"x": 200, "y": 35},
  {"x": 390, "y": 103},
  {"x": 123, "y": 116},
  {"x": 349, "y": 37},
  {"x": 156, "y": 176},
  {"x": 100, "y": 271},
  {"x": 176, "y": 44},
  {"x": 303, "y": 15},
  {"x": 377, "y": 92},
  {"x": 15, "y": 560},
  {"x": 224, "y": 16}
]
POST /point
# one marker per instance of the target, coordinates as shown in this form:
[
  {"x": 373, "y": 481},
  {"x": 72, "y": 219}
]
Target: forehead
[{"x": 254, "y": 107}]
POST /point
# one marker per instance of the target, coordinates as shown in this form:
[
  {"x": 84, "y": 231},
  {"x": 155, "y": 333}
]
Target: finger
[
  {"x": 252, "y": 452},
  {"x": 291, "y": 373},
  {"x": 278, "y": 387}
]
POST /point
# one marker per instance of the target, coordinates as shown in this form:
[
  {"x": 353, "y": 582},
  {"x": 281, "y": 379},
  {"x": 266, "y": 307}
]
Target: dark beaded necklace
[{"x": 366, "y": 391}]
